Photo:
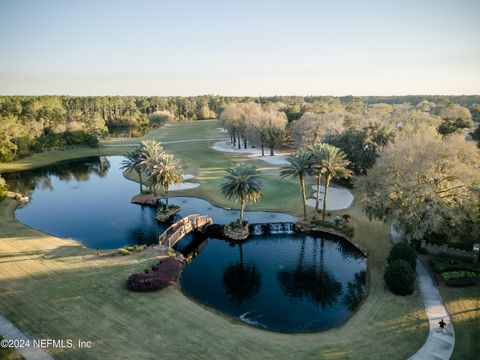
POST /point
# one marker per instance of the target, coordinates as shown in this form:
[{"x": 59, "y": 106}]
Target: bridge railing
[{"x": 182, "y": 227}]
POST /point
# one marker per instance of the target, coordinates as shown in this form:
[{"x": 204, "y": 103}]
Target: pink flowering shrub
[{"x": 162, "y": 275}]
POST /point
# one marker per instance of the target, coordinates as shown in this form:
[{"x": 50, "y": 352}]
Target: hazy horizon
[{"x": 233, "y": 48}]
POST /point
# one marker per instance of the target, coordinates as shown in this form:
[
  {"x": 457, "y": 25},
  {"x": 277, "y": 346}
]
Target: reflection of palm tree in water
[
  {"x": 318, "y": 284},
  {"x": 103, "y": 167},
  {"x": 355, "y": 290},
  {"x": 241, "y": 281}
]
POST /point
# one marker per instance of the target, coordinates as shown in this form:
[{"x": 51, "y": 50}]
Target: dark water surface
[
  {"x": 286, "y": 283},
  {"x": 282, "y": 282}
]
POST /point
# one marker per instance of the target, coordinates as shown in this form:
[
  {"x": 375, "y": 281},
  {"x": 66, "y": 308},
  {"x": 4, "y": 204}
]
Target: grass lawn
[
  {"x": 56, "y": 288},
  {"x": 463, "y": 304}
]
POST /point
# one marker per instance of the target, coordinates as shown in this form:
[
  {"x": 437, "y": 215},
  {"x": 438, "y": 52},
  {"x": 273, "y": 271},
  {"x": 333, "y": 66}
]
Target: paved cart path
[
  {"x": 437, "y": 346},
  {"x": 10, "y": 332}
]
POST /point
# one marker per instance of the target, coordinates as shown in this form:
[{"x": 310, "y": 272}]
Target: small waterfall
[
  {"x": 280, "y": 228},
  {"x": 271, "y": 228},
  {"x": 288, "y": 228},
  {"x": 257, "y": 229},
  {"x": 275, "y": 228}
]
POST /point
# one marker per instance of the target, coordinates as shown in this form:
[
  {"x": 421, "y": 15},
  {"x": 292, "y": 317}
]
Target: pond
[
  {"x": 284, "y": 282},
  {"x": 88, "y": 200}
]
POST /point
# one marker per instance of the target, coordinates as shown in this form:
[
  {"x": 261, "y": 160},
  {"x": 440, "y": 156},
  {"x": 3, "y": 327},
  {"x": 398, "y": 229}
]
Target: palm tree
[
  {"x": 132, "y": 162},
  {"x": 243, "y": 184},
  {"x": 150, "y": 152},
  {"x": 165, "y": 170},
  {"x": 138, "y": 159},
  {"x": 299, "y": 165},
  {"x": 329, "y": 162}
]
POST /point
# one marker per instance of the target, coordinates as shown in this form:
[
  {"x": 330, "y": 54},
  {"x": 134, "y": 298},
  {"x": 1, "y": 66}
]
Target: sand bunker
[
  {"x": 185, "y": 185},
  {"x": 338, "y": 198},
  {"x": 226, "y": 146}
]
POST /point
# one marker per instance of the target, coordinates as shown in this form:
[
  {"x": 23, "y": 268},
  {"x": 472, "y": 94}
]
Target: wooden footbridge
[{"x": 182, "y": 227}]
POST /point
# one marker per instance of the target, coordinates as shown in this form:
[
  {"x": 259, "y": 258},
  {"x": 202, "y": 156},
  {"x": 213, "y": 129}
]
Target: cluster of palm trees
[
  {"x": 150, "y": 159},
  {"x": 323, "y": 161}
]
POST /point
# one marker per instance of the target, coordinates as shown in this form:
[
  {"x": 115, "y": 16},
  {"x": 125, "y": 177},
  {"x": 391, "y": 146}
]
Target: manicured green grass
[
  {"x": 463, "y": 304},
  {"x": 187, "y": 130},
  {"x": 58, "y": 289},
  {"x": 209, "y": 167}
]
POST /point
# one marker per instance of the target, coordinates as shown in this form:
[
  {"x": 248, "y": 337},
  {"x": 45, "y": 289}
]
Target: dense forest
[{"x": 30, "y": 124}]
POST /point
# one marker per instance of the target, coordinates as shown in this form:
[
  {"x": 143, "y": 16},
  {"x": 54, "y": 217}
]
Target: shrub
[
  {"x": 402, "y": 251},
  {"x": 442, "y": 264},
  {"x": 161, "y": 117},
  {"x": 454, "y": 275},
  {"x": 164, "y": 273},
  {"x": 400, "y": 277},
  {"x": 123, "y": 251},
  {"x": 3, "y": 188},
  {"x": 347, "y": 230},
  {"x": 144, "y": 282}
]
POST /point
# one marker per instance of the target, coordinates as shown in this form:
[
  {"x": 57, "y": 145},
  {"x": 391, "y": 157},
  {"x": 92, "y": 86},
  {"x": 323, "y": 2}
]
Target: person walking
[{"x": 442, "y": 326}]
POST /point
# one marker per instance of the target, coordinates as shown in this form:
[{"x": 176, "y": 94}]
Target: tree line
[
  {"x": 30, "y": 124},
  {"x": 413, "y": 163}
]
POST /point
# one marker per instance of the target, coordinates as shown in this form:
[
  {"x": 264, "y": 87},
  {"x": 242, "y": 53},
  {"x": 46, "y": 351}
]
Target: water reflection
[
  {"x": 348, "y": 250},
  {"x": 287, "y": 283},
  {"x": 140, "y": 235},
  {"x": 87, "y": 200},
  {"x": 73, "y": 170},
  {"x": 241, "y": 281},
  {"x": 311, "y": 280},
  {"x": 355, "y": 290}
]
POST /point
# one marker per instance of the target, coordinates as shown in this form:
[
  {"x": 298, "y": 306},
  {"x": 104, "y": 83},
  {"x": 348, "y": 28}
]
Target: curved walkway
[
  {"x": 437, "y": 346},
  {"x": 10, "y": 332}
]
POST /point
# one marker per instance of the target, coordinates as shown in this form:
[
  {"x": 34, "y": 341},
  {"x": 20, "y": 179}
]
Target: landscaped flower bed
[
  {"x": 158, "y": 277},
  {"x": 443, "y": 264},
  {"x": 455, "y": 272},
  {"x": 460, "y": 278}
]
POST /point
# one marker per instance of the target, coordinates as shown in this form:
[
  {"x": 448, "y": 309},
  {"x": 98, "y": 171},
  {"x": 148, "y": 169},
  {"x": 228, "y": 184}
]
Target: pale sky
[{"x": 263, "y": 47}]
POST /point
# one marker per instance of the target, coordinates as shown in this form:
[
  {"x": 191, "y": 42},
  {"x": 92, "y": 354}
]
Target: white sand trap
[
  {"x": 183, "y": 186},
  {"x": 338, "y": 198},
  {"x": 226, "y": 146},
  {"x": 222, "y": 130}
]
